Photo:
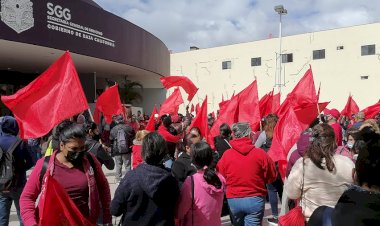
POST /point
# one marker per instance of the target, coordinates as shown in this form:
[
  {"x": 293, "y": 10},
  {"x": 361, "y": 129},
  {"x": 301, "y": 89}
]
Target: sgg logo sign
[{"x": 58, "y": 11}]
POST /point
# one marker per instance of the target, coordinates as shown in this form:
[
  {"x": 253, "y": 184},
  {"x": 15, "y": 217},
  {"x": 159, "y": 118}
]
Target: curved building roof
[{"x": 99, "y": 41}]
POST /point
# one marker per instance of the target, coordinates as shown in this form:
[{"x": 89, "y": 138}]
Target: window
[
  {"x": 364, "y": 77},
  {"x": 256, "y": 61},
  {"x": 339, "y": 47},
  {"x": 318, "y": 54},
  {"x": 226, "y": 65},
  {"x": 368, "y": 50},
  {"x": 287, "y": 58}
]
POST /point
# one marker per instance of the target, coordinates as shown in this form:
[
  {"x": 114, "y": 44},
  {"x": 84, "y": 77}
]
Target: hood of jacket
[
  {"x": 137, "y": 142},
  {"x": 211, "y": 189},
  {"x": 303, "y": 143},
  {"x": 242, "y": 145},
  {"x": 9, "y": 125},
  {"x": 154, "y": 180}
]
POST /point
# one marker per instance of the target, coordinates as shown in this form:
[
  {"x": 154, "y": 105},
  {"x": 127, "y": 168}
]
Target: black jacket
[
  {"x": 182, "y": 167},
  {"x": 146, "y": 196},
  {"x": 355, "y": 207},
  {"x": 103, "y": 157},
  {"x": 221, "y": 145}
]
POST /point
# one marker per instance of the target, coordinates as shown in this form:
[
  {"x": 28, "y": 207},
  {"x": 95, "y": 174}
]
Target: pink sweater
[
  {"x": 98, "y": 186},
  {"x": 208, "y": 202}
]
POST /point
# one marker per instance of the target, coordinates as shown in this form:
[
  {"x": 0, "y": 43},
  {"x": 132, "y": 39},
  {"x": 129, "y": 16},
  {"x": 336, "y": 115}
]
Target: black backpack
[{"x": 8, "y": 177}]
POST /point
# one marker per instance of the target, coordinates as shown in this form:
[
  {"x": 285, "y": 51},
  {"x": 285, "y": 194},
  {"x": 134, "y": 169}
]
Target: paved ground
[{"x": 111, "y": 179}]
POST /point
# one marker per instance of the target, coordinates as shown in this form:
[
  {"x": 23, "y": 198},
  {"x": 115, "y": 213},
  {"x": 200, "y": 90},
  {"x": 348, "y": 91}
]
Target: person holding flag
[{"x": 72, "y": 185}]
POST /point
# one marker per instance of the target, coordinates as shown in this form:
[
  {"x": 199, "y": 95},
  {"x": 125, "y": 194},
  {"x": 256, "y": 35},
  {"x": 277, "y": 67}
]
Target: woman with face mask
[
  {"x": 92, "y": 145},
  {"x": 348, "y": 150},
  {"x": 77, "y": 171}
]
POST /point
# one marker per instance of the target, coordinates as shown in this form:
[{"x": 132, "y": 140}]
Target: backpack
[
  {"x": 8, "y": 177},
  {"x": 121, "y": 142}
]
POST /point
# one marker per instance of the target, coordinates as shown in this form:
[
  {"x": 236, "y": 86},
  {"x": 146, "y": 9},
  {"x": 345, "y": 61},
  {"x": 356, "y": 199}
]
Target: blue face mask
[{"x": 350, "y": 145}]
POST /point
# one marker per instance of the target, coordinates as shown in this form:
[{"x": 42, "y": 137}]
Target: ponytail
[
  {"x": 211, "y": 178},
  {"x": 201, "y": 154}
]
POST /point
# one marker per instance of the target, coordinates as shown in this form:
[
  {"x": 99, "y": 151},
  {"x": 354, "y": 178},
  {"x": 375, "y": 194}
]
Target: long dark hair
[
  {"x": 322, "y": 147},
  {"x": 201, "y": 156},
  {"x": 153, "y": 149}
]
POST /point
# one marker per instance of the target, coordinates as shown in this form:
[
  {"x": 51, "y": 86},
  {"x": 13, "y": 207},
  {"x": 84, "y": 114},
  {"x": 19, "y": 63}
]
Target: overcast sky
[{"x": 209, "y": 23}]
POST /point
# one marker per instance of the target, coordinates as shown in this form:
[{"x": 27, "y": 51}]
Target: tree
[{"x": 129, "y": 93}]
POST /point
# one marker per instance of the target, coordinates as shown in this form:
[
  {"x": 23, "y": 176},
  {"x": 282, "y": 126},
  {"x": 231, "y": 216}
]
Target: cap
[{"x": 333, "y": 112}]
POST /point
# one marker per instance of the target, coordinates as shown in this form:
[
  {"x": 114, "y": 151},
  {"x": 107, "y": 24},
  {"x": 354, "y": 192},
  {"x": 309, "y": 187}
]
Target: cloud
[{"x": 209, "y": 23}]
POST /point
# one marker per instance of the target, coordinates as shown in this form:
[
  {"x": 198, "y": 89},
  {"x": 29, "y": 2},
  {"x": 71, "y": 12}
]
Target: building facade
[
  {"x": 344, "y": 61},
  {"x": 105, "y": 48}
]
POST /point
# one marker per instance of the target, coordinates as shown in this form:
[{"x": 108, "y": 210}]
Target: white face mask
[{"x": 350, "y": 145}]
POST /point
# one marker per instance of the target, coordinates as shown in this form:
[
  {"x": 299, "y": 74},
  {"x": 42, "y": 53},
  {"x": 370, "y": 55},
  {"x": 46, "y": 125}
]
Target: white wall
[{"x": 339, "y": 72}]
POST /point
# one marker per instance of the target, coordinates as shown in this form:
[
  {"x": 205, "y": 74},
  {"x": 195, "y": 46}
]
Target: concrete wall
[{"x": 339, "y": 73}]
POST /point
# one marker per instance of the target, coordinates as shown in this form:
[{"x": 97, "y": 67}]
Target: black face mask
[
  {"x": 96, "y": 137},
  {"x": 75, "y": 157}
]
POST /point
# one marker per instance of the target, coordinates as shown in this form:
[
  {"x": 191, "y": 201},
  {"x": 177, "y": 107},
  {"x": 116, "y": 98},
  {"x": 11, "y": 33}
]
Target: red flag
[
  {"x": 276, "y": 102},
  {"x": 192, "y": 108},
  {"x": 306, "y": 114},
  {"x": 53, "y": 96},
  {"x": 171, "y": 104},
  {"x": 286, "y": 133},
  {"x": 201, "y": 120},
  {"x": 228, "y": 115},
  {"x": 213, "y": 114},
  {"x": 303, "y": 93},
  {"x": 350, "y": 108},
  {"x": 109, "y": 104},
  {"x": 150, "y": 125},
  {"x": 181, "y": 81},
  {"x": 222, "y": 104},
  {"x": 263, "y": 104},
  {"x": 197, "y": 108},
  {"x": 371, "y": 111},
  {"x": 249, "y": 110},
  {"x": 319, "y": 91},
  {"x": 57, "y": 208}
]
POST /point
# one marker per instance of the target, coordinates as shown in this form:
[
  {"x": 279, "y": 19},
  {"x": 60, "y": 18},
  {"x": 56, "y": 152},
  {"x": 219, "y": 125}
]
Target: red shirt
[
  {"x": 136, "y": 155},
  {"x": 246, "y": 169},
  {"x": 338, "y": 133},
  {"x": 75, "y": 182}
]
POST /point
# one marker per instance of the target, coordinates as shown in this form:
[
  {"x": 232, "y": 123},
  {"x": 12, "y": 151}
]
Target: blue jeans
[
  {"x": 6, "y": 200},
  {"x": 273, "y": 189},
  {"x": 248, "y": 211}
]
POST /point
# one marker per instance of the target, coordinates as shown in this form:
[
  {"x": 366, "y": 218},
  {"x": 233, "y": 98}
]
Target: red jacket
[
  {"x": 246, "y": 169},
  {"x": 98, "y": 187},
  {"x": 338, "y": 133},
  {"x": 136, "y": 154}
]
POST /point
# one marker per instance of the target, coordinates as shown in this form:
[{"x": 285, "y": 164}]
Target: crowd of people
[{"x": 174, "y": 177}]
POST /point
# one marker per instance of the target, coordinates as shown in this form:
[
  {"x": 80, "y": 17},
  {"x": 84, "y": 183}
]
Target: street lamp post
[{"x": 278, "y": 82}]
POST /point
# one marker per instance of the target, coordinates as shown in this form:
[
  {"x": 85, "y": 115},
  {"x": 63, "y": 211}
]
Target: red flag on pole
[
  {"x": 171, "y": 104},
  {"x": 249, "y": 110},
  {"x": 109, "y": 104},
  {"x": 197, "y": 108},
  {"x": 57, "y": 208},
  {"x": 182, "y": 81},
  {"x": 286, "y": 133},
  {"x": 371, "y": 111},
  {"x": 201, "y": 120},
  {"x": 276, "y": 102},
  {"x": 150, "y": 126},
  {"x": 192, "y": 108},
  {"x": 350, "y": 108},
  {"x": 303, "y": 93},
  {"x": 53, "y": 96},
  {"x": 229, "y": 114}
]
